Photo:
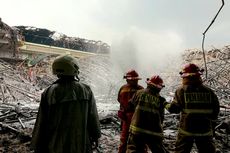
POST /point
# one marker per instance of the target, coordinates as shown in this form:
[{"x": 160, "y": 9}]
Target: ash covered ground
[{"x": 22, "y": 85}]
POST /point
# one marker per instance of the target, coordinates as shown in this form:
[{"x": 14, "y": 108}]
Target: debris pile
[
  {"x": 53, "y": 38},
  {"x": 10, "y": 40},
  {"x": 21, "y": 85},
  {"x": 218, "y": 69}
]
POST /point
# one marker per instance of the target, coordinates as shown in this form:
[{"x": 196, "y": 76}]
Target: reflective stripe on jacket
[
  {"x": 199, "y": 106},
  {"x": 149, "y": 113}
]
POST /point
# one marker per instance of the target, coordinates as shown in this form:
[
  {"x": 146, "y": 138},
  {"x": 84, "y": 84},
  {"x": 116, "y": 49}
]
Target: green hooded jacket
[{"x": 67, "y": 119}]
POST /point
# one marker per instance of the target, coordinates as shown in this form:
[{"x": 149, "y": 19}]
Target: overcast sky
[
  {"x": 149, "y": 26},
  {"x": 107, "y": 20}
]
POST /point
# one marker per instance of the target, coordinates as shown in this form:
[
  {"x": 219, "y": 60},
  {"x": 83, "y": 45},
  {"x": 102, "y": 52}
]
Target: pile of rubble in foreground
[{"x": 20, "y": 95}]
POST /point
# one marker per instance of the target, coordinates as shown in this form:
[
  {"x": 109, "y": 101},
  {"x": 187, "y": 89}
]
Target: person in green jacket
[
  {"x": 199, "y": 107},
  {"x": 146, "y": 125},
  {"x": 67, "y": 119}
]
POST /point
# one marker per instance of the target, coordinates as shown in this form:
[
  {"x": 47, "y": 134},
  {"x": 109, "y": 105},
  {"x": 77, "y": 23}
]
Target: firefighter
[
  {"x": 124, "y": 95},
  {"x": 198, "y": 106},
  {"x": 67, "y": 120},
  {"x": 146, "y": 125}
]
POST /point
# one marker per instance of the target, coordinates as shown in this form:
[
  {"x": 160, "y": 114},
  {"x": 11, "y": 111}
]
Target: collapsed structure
[
  {"x": 10, "y": 40},
  {"x": 21, "y": 85}
]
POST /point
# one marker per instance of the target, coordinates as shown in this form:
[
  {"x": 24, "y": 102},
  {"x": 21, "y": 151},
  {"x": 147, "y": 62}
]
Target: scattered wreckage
[
  {"x": 21, "y": 86},
  {"x": 22, "y": 82}
]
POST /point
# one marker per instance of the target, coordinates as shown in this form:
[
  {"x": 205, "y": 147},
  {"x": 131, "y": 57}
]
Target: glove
[{"x": 167, "y": 105}]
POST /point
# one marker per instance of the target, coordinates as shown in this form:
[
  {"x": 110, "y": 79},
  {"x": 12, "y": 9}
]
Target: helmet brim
[
  {"x": 132, "y": 78},
  {"x": 184, "y": 75},
  {"x": 156, "y": 85}
]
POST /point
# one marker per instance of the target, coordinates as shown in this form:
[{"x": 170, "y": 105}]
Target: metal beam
[{"x": 39, "y": 49}]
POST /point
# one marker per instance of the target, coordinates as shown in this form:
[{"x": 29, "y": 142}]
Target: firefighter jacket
[
  {"x": 149, "y": 113},
  {"x": 125, "y": 93},
  {"x": 198, "y": 107},
  {"x": 67, "y": 119}
]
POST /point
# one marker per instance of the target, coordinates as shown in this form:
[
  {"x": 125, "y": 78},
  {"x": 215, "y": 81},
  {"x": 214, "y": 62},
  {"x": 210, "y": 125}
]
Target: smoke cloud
[{"x": 147, "y": 52}]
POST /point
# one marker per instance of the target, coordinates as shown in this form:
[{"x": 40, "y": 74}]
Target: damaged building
[{"x": 24, "y": 76}]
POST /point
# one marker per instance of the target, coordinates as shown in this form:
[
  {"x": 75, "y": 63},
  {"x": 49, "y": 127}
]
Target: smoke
[{"x": 147, "y": 52}]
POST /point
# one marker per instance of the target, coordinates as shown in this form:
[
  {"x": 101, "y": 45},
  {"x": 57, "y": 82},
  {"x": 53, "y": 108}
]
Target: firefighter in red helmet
[
  {"x": 124, "y": 95},
  {"x": 146, "y": 125},
  {"x": 191, "y": 70},
  {"x": 198, "y": 106}
]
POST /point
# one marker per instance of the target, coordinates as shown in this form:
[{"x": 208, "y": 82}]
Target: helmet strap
[{"x": 77, "y": 78}]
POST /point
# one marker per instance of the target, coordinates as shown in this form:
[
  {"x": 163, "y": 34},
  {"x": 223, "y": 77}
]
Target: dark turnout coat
[
  {"x": 149, "y": 113},
  {"x": 67, "y": 119},
  {"x": 198, "y": 106}
]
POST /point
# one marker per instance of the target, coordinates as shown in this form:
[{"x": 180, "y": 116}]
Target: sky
[{"x": 155, "y": 29}]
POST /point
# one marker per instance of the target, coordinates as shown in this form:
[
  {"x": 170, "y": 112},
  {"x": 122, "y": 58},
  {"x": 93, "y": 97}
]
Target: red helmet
[
  {"x": 132, "y": 75},
  {"x": 191, "y": 70},
  {"x": 156, "y": 81}
]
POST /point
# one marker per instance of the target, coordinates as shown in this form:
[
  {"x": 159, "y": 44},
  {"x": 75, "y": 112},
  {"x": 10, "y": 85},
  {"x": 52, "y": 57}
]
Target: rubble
[
  {"x": 21, "y": 85},
  {"x": 218, "y": 70},
  {"x": 10, "y": 40}
]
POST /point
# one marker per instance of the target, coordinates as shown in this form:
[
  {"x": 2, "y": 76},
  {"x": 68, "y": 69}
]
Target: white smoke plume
[{"x": 147, "y": 52}]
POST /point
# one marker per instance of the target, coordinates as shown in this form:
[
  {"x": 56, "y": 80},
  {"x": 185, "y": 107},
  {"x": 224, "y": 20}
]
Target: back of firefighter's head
[
  {"x": 132, "y": 77},
  {"x": 65, "y": 66},
  {"x": 155, "y": 82},
  {"x": 191, "y": 72}
]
